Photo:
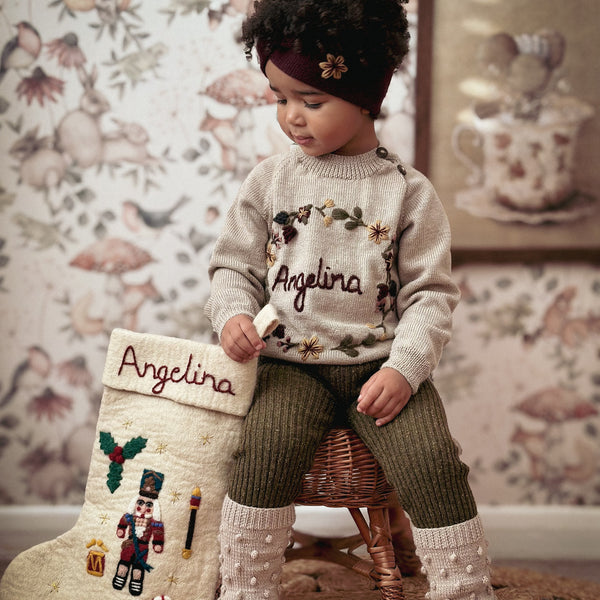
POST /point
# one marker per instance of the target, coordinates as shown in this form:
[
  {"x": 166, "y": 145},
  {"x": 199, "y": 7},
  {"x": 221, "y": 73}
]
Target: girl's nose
[{"x": 293, "y": 114}]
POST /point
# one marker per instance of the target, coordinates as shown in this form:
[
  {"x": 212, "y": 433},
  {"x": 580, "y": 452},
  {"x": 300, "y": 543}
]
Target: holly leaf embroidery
[
  {"x": 107, "y": 442},
  {"x": 118, "y": 455},
  {"x": 115, "y": 476},
  {"x": 134, "y": 446}
]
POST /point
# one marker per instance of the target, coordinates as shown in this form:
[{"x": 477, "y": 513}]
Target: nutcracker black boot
[{"x": 168, "y": 427}]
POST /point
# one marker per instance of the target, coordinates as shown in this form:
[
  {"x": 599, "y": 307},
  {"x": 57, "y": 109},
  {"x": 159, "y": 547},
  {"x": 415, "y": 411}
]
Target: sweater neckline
[{"x": 340, "y": 166}]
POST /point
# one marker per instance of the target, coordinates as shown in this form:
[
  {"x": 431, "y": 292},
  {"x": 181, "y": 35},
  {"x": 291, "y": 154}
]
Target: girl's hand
[
  {"x": 240, "y": 340},
  {"x": 384, "y": 395}
]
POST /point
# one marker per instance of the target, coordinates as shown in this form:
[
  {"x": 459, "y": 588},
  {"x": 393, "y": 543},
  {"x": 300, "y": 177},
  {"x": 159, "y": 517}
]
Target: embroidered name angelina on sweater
[{"x": 323, "y": 279}]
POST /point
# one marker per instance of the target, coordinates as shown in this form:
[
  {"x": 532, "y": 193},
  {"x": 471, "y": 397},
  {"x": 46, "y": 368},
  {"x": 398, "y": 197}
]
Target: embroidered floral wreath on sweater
[{"x": 285, "y": 231}]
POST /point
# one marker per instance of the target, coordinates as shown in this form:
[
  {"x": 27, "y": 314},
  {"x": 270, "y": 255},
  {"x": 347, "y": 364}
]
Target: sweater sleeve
[
  {"x": 427, "y": 294},
  {"x": 238, "y": 266}
]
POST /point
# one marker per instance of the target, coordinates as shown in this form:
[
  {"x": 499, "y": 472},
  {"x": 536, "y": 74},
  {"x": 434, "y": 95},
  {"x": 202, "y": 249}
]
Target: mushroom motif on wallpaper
[
  {"x": 85, "y": 5},
  {"x": 520, "y": 146},
  {"x": 112, "y": 257},
  {"x": 245, "y": 90},
  {"x": 554, "y": 407}
]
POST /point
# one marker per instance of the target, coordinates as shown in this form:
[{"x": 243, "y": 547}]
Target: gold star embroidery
[
  {"x": 172, "y": 579},
  {"x": 103, "y": 519},
  {"x": 310, "y": 348},
  {"x": 54, "y": 586},
  {"x": 378, "y": 232},
  {"x": 333, "y": 67},
  {"x": 127, "y": 424},
  {"x": 205, "y": 439},
  {"x": 175, "y": 496},
  {"x": 161, "y": 448}
]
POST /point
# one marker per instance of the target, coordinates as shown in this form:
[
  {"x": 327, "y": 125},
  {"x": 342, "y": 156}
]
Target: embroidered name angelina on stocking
[{"x": 165, "y": 373}]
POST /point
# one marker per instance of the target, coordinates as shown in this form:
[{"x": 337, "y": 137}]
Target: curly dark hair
[{"x": 375, "y": 30}]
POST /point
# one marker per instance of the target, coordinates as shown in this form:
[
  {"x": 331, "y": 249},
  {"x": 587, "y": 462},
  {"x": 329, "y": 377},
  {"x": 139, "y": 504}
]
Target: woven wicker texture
[{"x": 345, "y": 474}]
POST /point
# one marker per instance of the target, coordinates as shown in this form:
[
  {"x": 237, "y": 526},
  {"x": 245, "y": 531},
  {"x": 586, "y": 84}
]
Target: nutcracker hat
[{"x": 151, "y": 483}]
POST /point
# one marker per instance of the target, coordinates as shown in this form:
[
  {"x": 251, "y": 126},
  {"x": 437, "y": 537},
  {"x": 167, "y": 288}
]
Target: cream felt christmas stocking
[{"x": 168, "y": 427}]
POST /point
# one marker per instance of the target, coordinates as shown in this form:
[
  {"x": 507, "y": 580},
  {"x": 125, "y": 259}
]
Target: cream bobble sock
[
  {"x": 455, "y": 561},
  {"x": 253, "y": 544}
]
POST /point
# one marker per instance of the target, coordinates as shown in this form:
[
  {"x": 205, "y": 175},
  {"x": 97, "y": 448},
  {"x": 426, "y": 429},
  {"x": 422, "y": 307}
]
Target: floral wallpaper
[
  {"x": 521, "y": 378},
  {"x": 126, "y": 129}
]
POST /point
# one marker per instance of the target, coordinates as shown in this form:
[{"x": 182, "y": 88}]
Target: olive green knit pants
[{"x": 294, "y": 406}]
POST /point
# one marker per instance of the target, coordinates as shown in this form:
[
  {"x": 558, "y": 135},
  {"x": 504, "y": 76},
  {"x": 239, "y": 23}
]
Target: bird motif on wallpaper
[
  {"x": 136, "y": 64},
  {"x": 558, "y": 321},
  {"x": 37, "y": 364},
  {"x": 21, "y": 51},
  {"x": 139, "y": 219}
]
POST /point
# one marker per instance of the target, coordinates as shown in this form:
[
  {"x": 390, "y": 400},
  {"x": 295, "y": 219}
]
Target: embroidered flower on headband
[{"x": 333, "y": 67}]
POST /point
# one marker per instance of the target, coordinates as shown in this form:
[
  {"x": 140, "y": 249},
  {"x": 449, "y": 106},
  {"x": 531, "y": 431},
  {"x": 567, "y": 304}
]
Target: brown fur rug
[{"x": 317, "y": 580}]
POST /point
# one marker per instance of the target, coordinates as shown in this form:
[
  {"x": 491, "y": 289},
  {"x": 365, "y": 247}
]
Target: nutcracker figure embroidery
[{"x": 141, "y": 526}]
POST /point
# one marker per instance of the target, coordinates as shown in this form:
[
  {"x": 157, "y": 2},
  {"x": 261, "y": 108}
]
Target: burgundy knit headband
[{"x": 338, "y": 75}]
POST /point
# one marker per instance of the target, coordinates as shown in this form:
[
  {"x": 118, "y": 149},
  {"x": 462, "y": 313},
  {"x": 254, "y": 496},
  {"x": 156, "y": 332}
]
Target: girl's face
[{"x": 318, "y": 122}]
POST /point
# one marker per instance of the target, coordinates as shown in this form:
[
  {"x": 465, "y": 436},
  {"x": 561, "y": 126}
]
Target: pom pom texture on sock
[
  {"x": 455, "y": 561},
  {"x": 253, "y": 543}
]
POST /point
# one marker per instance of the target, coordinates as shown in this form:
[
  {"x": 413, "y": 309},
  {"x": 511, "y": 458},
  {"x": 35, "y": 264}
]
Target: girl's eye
[
  {"x": 281, "y": 101},
  {"x": 312, "y": 106}
]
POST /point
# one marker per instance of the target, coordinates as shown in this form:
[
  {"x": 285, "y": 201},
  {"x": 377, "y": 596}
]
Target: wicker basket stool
[{"x": 345, "y": 474}]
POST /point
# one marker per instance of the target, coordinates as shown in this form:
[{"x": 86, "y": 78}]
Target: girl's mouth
[{"x": 302, "y": 140}]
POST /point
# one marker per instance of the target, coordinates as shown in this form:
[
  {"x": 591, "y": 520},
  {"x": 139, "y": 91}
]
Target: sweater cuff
[{"x": 413, "y": 368}]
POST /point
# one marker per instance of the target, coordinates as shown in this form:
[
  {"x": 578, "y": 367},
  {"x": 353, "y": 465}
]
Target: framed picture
[{"x": 508, "y": 126}]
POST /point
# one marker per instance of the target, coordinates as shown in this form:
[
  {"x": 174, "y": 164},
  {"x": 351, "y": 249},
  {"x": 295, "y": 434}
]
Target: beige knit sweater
[{"x": 352, "y": 251}]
